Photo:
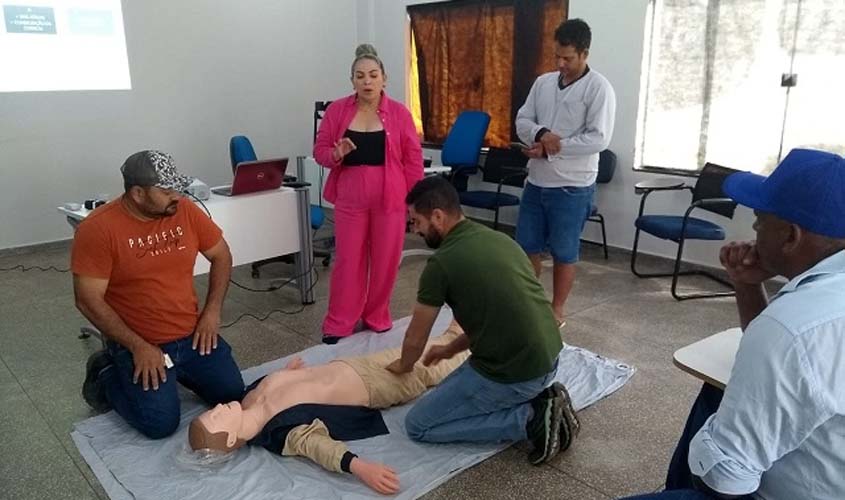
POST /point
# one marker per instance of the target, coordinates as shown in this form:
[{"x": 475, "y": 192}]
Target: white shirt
[
  {"x": 780, "y": 429},
  {"x": 582, "y": 113}
]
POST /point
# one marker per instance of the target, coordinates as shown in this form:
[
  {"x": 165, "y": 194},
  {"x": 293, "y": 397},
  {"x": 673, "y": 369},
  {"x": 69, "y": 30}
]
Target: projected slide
[{"x": 62, "y": 45}]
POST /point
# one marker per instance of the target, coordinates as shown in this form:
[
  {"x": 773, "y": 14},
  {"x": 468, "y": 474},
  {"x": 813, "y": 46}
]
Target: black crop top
[{"x": 369, "y": 148}]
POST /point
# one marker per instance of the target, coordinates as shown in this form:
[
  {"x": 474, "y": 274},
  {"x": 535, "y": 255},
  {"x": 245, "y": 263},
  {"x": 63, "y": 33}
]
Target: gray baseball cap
[{"x": 153, "y": 168}]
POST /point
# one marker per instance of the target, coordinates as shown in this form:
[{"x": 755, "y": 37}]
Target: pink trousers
[{"x": 369, "y": 242}]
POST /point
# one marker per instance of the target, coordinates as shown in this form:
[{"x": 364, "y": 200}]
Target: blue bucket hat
[{"x": 807, "y": 189}]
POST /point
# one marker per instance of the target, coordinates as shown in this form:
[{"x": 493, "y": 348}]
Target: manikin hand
[
  {"x": 295, "y": 363},
  {"x": 342, "y": 148},
  {"x": 436, "y": 353},
  {"x": 205, "y": 335},
  {"x": 379, "y": 477},
  {"x": 551, "y": 143},
  {"x": 149, "y": 365},
  {"x": 535, "y": 151},
  {"x": 741, "y": 262}
]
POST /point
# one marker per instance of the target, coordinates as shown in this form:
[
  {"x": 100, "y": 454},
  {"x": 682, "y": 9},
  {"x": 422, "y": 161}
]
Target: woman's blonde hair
[{"x": 366, "y": 51}]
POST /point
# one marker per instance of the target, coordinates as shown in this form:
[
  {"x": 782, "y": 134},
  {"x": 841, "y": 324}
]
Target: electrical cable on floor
[
  {"x": 280, "y": 311},
  {"x": 24, "y": 268}
]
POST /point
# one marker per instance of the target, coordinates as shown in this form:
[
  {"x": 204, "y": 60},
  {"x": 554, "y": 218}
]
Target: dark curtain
[{"x": 481, "y": 54}]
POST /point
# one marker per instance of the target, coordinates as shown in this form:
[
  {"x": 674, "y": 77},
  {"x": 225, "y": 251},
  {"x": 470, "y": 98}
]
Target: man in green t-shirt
[{"x": 505, "y": 391}]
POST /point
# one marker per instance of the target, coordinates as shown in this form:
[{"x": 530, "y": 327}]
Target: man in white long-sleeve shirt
[{"x": 567, "y": 120}]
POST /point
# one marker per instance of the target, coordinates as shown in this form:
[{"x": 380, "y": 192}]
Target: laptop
[{"x": 255, "y": 176}]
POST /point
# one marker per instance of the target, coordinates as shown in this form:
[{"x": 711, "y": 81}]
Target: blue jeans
[
  {"x": 553, "y": 218},
  {"x": 708, "y": 401},
  {"x": 469, "y": 407},
  {"x": 155, "y": 413}
]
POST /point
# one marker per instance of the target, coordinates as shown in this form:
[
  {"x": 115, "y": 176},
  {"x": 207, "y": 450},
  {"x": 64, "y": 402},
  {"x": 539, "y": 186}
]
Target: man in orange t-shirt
[{"x": 132, "y": 263}]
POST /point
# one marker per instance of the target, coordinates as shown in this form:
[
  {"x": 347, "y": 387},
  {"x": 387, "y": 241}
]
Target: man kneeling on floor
[
  {"x": 132, "y": 264},
  {"x": 504, "y": 392}
]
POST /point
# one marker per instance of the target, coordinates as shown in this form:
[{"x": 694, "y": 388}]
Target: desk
[
  {"x": 710, "y": 359},
  {"x": 659, "y": 184},
  {"x": 257, "y": 226},
  {"x": 436, "y": 170}
]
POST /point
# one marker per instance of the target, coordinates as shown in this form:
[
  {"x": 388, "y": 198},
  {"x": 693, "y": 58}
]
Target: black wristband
[
  {"x": 540, "y": 133},
  {"x": 346, "y": 461}
]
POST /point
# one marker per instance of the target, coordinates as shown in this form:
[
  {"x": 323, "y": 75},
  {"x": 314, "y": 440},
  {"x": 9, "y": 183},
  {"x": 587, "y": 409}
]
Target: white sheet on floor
[{"x": 131, "y": 466}]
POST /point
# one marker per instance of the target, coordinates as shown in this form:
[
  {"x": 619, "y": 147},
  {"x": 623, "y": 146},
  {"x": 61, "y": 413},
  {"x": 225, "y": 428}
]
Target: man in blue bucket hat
[{"x": 778, "y": 430}]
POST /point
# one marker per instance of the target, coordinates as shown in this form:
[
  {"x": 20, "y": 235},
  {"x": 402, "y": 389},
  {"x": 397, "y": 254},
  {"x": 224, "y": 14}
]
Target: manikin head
[
  {"x": 217, "y": 429},
  {"x": 434, "y": 208}
]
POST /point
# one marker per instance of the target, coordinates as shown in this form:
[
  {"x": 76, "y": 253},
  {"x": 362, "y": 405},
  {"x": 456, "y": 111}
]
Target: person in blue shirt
[{"x": 778, "y": 431}]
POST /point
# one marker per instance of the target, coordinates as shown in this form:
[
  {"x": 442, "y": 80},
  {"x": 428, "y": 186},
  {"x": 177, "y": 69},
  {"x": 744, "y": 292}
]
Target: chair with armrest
[
  {"x": 607, "y": 167},
  {"x": 501, "y": 167},
  {"x": 707, "y": 195},
  {"x": 241, "y": 150},
  {"x": 462, "y": 147}
]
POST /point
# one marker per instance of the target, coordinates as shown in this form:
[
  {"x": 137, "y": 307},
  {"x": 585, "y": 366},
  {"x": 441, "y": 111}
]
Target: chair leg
[
  {"x": 496, "y": 219},
  {"x": 706, "y": 274},
  {"x": 603, "y": 235},
  {"x": 639, "y": 274},
  {"x": 676, "y": 272}
]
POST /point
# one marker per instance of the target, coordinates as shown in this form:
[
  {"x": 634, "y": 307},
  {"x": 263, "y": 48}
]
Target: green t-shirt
[{"x": 489, "y": 283}]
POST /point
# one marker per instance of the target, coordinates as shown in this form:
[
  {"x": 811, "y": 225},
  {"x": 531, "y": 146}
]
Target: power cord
[
  {"x": 24, "y": 268},
  {"x": 280, "y": 311},
  {"x": 288, "y": 281}
]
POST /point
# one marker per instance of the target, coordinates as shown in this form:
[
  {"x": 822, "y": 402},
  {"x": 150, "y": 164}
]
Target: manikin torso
[{"x": 334, "y": 383}]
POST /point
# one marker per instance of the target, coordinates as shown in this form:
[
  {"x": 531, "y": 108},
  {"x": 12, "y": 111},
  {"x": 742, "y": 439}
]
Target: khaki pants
[{"x": 388, "y": 389}]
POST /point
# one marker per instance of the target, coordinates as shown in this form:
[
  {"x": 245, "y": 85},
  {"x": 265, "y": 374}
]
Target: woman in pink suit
[{"x": 370, "y": 146}]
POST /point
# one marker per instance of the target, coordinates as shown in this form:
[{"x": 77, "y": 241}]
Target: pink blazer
[{"x": 403, "y": 151}]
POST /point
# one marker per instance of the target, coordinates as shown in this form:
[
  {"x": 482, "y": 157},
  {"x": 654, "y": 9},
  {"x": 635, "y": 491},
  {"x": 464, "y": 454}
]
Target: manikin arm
[{"x": 314, "y": 442}]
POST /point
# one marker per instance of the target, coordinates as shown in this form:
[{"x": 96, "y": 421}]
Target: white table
[
  {"x": 257, "y": 226},
  {"x": 710, "y": 359},
  {"x": 436, "y": 170}
]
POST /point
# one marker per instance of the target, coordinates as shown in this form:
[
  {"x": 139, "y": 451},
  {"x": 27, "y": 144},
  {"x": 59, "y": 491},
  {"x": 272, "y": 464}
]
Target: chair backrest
[
  {"x": 320, "y": 108},
  {"x": 240, "y": 150},
  {"x": 463, "y": 144},
  {"x": 709, "y": 186},
  {"x": 607, "y": 166},
  {"x": 495, "y": 163}
]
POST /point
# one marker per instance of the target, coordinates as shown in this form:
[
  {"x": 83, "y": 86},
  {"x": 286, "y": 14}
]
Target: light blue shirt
[{"x": 780, "y": 429}]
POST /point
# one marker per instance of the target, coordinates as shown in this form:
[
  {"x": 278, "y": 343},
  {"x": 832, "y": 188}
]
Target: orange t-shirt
[{"x": 149, "y": 265}]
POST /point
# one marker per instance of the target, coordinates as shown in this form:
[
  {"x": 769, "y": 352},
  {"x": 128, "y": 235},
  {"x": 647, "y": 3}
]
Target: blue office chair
[
  {"x": 241, "y": 150},
  {"x": 607, "y": 167},
  {"x": 501, "y": 167},
  {"x": 463, "y": 146},
  {"x": 706, "y": 195}
]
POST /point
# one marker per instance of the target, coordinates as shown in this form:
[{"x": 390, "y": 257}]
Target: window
[
  {"x": 718, "y": 79},
  {"x": 478, "y": 54}
]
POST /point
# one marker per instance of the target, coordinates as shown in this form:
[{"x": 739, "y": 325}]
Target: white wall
[
  {"x": 618, "y": 28},
  {"x": 202, "y": 71}
]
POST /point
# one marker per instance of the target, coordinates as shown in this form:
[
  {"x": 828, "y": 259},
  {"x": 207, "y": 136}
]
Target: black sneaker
[
  {"x": 569, "y": 425},
  {"x": 544, "y": 427},
  {"x": 93, "y": 391},
  {"x": 330, "y": 339}
]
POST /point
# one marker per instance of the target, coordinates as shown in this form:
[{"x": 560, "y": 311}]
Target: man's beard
[
  {"x": 169, "y": 211},
  {"x": 433, "y": 239}
]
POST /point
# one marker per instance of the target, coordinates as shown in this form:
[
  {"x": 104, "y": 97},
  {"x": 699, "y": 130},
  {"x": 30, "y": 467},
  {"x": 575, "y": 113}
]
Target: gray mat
[{"x": 131, "y": 466}]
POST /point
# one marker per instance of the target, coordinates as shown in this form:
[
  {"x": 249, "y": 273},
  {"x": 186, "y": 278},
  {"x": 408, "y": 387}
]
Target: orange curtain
[{"x": 481, "y": 54}]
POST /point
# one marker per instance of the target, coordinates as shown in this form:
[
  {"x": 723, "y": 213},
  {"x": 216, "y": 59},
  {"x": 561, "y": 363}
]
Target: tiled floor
[{"x": 623, "y": 448}]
